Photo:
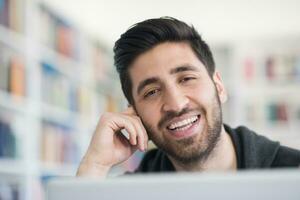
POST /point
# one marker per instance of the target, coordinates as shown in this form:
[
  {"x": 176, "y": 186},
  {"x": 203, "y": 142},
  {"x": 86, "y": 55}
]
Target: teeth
[{"x": 183, "y": 123}]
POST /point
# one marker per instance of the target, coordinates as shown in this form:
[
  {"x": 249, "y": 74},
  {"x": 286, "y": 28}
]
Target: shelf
[
  {"x": 56, "y": 114},
  {"x": 269, "y": 89},
  {"x": 58, "y": 169},
  {"x": 60, "y": 108},
  {"x": 12, "y": 39},
  {"x": 61, "y": 63},
  {"x": 11, "y": 166},
  {"x": 12, "y": 102},
  {"x": 64, "y": 116}
]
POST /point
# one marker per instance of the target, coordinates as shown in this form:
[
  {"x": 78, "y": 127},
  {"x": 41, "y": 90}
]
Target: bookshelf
[
  {"x": 263, "y": 80},
  {"x": 55, "y": 81}
]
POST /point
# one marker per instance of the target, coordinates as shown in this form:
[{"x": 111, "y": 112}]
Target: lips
[{"x": 185, "y": 126}]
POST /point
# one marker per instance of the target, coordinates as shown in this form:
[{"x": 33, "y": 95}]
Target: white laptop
[{"x": 242, "y": 185}]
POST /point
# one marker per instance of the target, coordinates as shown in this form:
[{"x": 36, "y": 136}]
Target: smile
[
  {"x": 185, "y": 127},
  {"x": 183, "y": 124}
]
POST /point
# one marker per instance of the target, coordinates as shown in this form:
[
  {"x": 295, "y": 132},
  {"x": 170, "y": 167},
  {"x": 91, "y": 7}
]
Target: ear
[{"x": 222, "y": 93}]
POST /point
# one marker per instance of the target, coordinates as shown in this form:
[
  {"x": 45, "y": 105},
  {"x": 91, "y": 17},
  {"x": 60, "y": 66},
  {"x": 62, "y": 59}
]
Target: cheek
[
  {"x": 149, "y": 115},
  {"x": 208, "y": 98},
  {"x": 204, "y": 95}
]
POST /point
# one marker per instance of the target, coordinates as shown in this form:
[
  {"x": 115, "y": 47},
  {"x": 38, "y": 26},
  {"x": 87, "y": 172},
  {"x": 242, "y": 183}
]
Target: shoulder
[
  {"x": 287, "y": 157},
  {"x": 256, "y": 151},
  {"x": 260, "y": 152},
  {"x": 251, "y": 140}
]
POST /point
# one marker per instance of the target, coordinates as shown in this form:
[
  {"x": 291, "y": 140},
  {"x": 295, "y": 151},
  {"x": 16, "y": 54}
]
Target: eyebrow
[
  {"x": 146, "y": 82},
  {"x": 183, "y": 69},
  {"x": 153, "y": 80}
]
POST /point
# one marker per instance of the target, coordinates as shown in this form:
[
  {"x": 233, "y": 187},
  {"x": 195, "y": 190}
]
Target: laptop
[{"x": 246, "y": 185}]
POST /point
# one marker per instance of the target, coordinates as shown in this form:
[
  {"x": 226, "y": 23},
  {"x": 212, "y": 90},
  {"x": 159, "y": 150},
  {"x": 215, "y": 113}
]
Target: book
[
  {"x": 12, "y": 14},
  {"x": 4, "y": 12},
  {"x": 58, "y": 34},
  {"x": 16, "y": 15},
  {"x": 7, "y": 141},
  {"x": 57, "y": 89},
  {"x": 17, "y": 76},
  {"x": 3, "y": 69},
  {"x": 58, "y": 144},
  {"x": 277, "y": 112}
]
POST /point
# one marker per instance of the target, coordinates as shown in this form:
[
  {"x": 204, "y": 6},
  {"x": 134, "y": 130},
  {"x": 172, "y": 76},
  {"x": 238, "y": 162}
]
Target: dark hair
[{"x": 144, "y": 35}]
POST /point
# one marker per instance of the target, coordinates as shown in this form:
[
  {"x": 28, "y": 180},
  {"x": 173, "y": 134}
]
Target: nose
[{"x": 174, "y": 100}]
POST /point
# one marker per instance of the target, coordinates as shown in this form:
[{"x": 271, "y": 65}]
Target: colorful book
[
  {"x": 7, "y": 141},
  {"x": 17, "y": 76},
  {"x": 4, "y": 18},
  {"x": 16, "y": 15}
]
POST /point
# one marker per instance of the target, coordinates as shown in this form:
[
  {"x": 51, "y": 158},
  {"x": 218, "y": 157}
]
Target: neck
[{"x": 222, "y": 158}]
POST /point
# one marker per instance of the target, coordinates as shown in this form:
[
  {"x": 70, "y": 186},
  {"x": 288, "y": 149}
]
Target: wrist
[{"x": 91, "y": 168}]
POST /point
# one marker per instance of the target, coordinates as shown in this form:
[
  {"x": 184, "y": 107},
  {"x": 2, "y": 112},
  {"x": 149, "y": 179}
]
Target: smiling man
[{"x": 168, "y": 76}]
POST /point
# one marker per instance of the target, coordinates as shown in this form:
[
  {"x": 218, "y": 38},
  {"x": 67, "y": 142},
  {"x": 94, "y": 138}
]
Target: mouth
[{"x": 184, "y": 127}]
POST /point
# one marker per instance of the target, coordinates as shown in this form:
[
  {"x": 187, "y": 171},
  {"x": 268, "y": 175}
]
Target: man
[{"x": 168, "y": 76}]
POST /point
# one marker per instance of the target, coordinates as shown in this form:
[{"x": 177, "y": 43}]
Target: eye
[
  {"x": 151, "y": 93},
  {"x": 186, "y": 79}
]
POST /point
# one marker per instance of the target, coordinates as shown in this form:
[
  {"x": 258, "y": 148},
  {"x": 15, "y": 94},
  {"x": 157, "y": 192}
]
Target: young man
[{"x": 168, "y": 76}]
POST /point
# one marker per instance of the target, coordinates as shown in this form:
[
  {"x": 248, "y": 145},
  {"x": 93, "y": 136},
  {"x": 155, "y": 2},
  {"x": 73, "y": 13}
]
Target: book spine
[
  {"x": 7, "y": 141},
  {"x": 4, "y": 18},
  {"x": 58, "y": 144},
  {"x": 17, "y": 76},
  {"x": 4, "y": 66}
]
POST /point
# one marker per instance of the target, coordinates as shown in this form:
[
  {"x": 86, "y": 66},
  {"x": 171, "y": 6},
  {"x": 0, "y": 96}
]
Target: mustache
[{"x": 171, "y": 114}]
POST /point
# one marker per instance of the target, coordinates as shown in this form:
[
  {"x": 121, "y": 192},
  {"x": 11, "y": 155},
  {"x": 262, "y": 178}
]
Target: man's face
[{"x": 177, "y": 101}]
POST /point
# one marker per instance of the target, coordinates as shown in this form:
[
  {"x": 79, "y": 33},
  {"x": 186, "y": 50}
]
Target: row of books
[
  {"x": 12, "y": 72},
  {"x": 58, "y": 144},
  {"x": 8, "y": 144},
  {"x": 12, "y": 14},
  {"x": 58, "y": 34},
  {"x": 275, "y": 68},
  {"x": 273, "y": 112},
  {"x": 64, "y": 92},
  {"x": 9, "y": 191}
]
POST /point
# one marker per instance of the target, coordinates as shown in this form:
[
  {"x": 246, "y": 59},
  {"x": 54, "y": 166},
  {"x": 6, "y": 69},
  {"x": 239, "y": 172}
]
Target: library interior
[{"x": 57, "y": 76}]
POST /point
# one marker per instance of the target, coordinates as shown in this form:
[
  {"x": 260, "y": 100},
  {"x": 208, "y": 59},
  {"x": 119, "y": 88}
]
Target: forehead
[{"x": 158, "y": 61}]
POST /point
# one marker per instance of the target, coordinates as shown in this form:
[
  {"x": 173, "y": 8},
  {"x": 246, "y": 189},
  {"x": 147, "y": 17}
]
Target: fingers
[
  {"x": 130, "y": 129},
  {"x": 140, "y": 132},
  {"x": 143, "y": 137},
  {"x": 140, "y": 129},
  {"x": 134, "y": 129}
]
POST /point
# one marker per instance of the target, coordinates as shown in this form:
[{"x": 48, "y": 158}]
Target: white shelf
[
  {"x": 12, "y": 102},
  {"x": 272, "y": 86},
  {"x": 58, "y": 169},
  {"x": 63, "y": 64},
  {"x": 11, "y": 166},
  {"x": 61, "y": 115},
  {"x": 12, "y": 39}
]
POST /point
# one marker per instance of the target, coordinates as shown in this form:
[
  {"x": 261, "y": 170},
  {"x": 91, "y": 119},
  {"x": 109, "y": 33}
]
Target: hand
[{"x": 109, "y": 146}]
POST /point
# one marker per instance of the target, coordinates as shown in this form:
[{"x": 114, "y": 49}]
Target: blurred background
[{"x": 57, "y": 75}]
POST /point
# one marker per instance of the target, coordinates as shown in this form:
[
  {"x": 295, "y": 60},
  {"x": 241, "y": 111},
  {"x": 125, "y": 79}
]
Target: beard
[{"x": 197, "y": 148}]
